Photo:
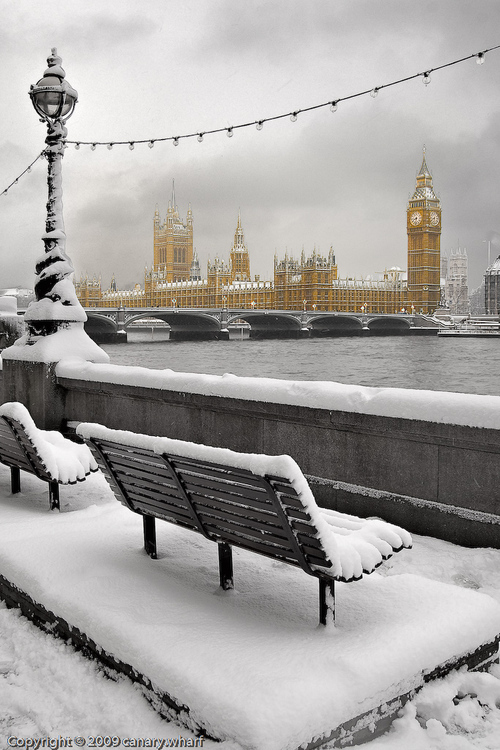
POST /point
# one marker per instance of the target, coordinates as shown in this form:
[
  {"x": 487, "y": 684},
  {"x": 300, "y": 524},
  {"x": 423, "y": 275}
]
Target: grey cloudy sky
[{"x": 158, "y": 68}]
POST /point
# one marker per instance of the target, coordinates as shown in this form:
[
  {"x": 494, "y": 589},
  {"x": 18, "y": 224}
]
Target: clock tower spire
[{"x": 424, "y": 236}]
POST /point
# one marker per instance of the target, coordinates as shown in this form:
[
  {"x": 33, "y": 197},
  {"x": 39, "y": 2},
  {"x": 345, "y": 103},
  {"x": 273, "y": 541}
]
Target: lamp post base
[{"x": 53, "y": 340}]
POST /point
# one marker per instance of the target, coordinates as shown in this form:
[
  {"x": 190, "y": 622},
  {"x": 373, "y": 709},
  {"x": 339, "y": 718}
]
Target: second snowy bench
[
  {"x": 255, "y": 502},
  {"x": 48, "y": 455}
]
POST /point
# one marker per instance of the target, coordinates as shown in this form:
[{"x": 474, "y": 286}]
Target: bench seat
[
  {"x": 46, "y": 454},
  {"x": 259, "y": 503}
]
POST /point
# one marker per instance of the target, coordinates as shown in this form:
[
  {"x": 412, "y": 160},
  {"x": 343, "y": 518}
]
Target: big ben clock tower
[{"x": 424, "y": 236}]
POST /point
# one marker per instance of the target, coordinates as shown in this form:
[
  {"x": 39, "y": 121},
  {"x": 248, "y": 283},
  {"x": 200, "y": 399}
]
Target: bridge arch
[
  {"x": 389, "y": 325},
  {"x": 335, "y": 325},
  {"x": 269, "y": 324},
  {"x": 100, "y": 328},
  {"x": 183, "y": 325}
]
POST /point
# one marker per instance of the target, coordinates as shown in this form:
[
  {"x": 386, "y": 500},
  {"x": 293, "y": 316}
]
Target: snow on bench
[
  {"x": 255, "y": 502},
  {"x": 47, "y": 454}
]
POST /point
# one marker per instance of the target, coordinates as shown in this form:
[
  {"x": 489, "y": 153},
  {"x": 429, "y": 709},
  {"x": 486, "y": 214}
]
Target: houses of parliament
[{"x": 174, "y": 279}]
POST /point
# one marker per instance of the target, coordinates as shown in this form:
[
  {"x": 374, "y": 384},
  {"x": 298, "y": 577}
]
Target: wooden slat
[
  {"x": 151, "y": 505},
  {"x": 157, "y": 497},
  {"x": 321, "y": 561},
  {"x": 281, "y": 485},
  {"x": 253, "y": 545},
  {"x": 292, "y": 502},
  {"x": 193, "y": 464},
  {"x": 243, "y": 511},
  {"x": 146, "y": 483},
  {"x": 16, "y": 457},
  {"x": 129, "y": 462},
  {"x": 221, "y": 520},
  {"x": 196, "y": 484},
  {"x": 37, "y": 463},
  {"x": 249, "y": 538},
  {"x": 243, "y": 502},
  {"x": 110, "y": 446},
  {"x": 310, "y": 540},
  {"x": 302, "y": 515},
  {"x": 303, "y": 527}
]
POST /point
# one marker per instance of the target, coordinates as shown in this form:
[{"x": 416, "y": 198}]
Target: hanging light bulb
[
  {"x": 229, "y": 133},
  {"x": 77, "y": 146},
  {"x": 29, "y": 169},
  {"x": 93, "y": 147},
  {"x": 426, "y": 79},
  {"x": 151, "y": 144},
  {"x": 333, "y": 106},
  {"x": 260, "y": 125},
  {"x": 131, "y": 145},
  {"x": 109, "y": 146},
  {"x": 200, "y": 137},
  {"x": 480, "y": 58},
  {"x": 293, "y": 117},
  {"x": 176, "y": 141},
  {"x": 374, "y": 92}
]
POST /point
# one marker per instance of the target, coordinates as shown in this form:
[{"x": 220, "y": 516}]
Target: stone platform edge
[{"x": 356, "y": 731}]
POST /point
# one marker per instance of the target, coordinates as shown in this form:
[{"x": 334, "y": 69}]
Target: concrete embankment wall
[{"x": 436, "y": 479}]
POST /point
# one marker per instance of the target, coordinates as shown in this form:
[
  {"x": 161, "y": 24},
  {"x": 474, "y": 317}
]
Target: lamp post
[{"x": 56, "y": 306}]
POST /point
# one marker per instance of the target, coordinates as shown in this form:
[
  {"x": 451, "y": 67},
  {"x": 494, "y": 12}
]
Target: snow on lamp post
[
  {"x": 56, "y": 309},
  {"x": 56, "y": 304}
]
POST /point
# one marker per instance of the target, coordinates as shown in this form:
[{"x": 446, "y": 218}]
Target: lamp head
[{"x": 52, "y": 97}]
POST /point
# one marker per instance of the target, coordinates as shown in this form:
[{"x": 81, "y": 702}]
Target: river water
[{"x": 470, "y": 365}]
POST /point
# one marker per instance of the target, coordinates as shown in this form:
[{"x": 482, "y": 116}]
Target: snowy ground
[{"x": 48, "y": 690}]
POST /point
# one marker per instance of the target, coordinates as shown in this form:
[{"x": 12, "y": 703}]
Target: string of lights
[
  {"x": 28, "y": 169},
  {"x": 259, "y": 124}
]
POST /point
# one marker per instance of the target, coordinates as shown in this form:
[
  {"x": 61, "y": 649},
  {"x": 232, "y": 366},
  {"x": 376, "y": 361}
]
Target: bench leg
[
  {"x": 149, "y": 527},
  {"x": 225, "y": 566},
  {"x": 326, "y": 601},
  {"x": 15, "y": 479},
  {"x": 54, "y": 496}
]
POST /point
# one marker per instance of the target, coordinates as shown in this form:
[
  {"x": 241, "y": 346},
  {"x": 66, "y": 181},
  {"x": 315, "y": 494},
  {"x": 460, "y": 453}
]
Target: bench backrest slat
[{"x": 169, "y": 511}]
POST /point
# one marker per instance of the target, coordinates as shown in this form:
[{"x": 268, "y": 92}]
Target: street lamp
[{"x": 56, "y": 306}]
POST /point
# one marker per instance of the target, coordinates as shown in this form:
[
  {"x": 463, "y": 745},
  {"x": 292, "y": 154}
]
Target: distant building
[
  {"x": 476, "y": 300},
  {"x": 456, "y": 289},
  {"x": 312, "y": 282},
  {"x": 492, "y": 288}
]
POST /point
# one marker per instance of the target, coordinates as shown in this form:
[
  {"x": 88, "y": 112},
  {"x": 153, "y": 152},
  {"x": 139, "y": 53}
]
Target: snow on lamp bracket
[{"x": 56, "y": 305}]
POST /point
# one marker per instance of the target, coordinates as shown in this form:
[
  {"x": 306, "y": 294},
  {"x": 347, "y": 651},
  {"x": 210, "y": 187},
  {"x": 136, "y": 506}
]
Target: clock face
[
  {"x": 416, "y": 218},
  {"x": 434, "y": 218}
]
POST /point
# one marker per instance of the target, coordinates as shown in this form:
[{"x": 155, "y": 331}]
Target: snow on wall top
[{"x": 431, "y": 406}]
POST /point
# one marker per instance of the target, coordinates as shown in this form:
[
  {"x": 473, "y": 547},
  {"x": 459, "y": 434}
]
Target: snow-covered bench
[
  {"x": 47, "y": 454},
  {"x": 256, "y": 502}
]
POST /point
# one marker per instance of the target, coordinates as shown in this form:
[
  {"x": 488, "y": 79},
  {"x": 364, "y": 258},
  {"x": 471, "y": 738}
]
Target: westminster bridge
[{"x": 111, "y": 324}]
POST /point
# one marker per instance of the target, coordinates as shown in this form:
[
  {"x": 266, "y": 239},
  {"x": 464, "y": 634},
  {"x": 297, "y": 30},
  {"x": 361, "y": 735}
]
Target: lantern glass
[{"x": 53, "y": 98}]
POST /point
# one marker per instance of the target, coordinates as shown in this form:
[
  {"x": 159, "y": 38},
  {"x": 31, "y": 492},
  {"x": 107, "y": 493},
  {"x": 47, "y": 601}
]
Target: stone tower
[
  {"x": 424, "y": 236},
  {"x": 173, "y": 244},
  {"x": 239, "y": 260}
]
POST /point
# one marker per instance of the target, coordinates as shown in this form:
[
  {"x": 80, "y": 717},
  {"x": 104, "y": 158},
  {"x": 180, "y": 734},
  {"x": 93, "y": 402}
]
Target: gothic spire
[{"x": 424, "y": 169}]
